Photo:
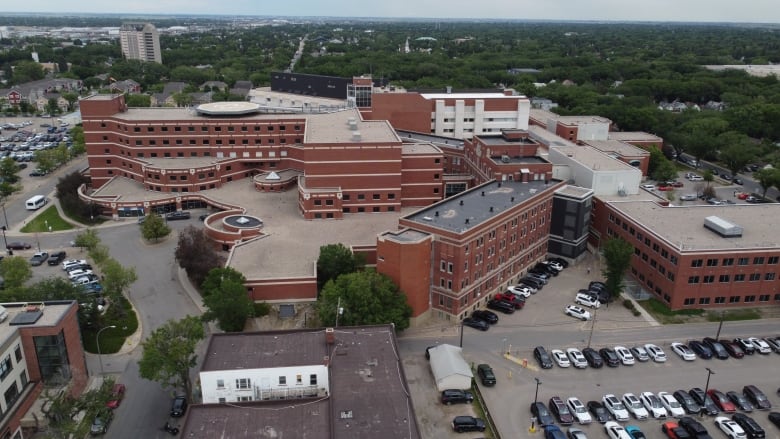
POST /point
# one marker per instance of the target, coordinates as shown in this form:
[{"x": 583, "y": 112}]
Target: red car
[
  {"x": 674, "y": 183},
  {"x": 722, "y": 401},
  {"x": 117, "y": 393},
  {"x": 511, "y": 298},
  {"x": 674, "y": 431},
  {"x": 665, "y": 188}
]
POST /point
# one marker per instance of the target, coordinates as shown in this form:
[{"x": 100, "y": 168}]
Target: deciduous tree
[
  {"x": 154, "y": 227},
  {"x": 16, "y": 271},
  {"x": 335, "y": 260},
  {"x": 617, "y": 254},
  {"x": 169, "y": 353},
  {"x": 195, "y": 253},
  {"x": 227, "y": 300}
]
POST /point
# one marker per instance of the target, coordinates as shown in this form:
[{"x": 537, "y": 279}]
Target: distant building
[{"x": 140, "y": 41}]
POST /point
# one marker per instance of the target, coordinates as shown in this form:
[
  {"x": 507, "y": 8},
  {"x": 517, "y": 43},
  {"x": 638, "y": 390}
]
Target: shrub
[{"x": 261, "y": 309}]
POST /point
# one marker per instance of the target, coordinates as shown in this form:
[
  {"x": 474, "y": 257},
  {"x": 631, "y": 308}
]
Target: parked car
[
  {"x": 760, "y": 345},
  {"x": 542, "y": 414},
  {"x": 634, "y": 432},
  {"x": 179, "y": 406},
  {"x": 722, "y": 401},
  {"x": 626, "y": 357},
  {"x": 486, "y": 375},
  {"x": 519, "y": 290},
  {"x": 700, "y": 349},
  {"x": 732, "y": 348},
  {"x": 534, "y": 284},
  {"x": 615, "y": 431},
  {"x": 576, "y": 433},
  {"x": 694, "y": 427},
  {"x": 517, "y": 301},
  {"x": 553, "y": 432},
  {"x": 640, "y": 354},
  {"x": 560, "y": 358},
  {"x": 38, "y": 258},
  {"x": 656, "y": 353},
  {"x": 653, "y": 405},
  {"x": 683, "y": 351},
  {"x": 672, "y": 406},
  {"x": 587, "y": 300},
  {"x": 546, "y": 269},
  {"x": 485, "y": 315},
  {"x": 179, "y": 215},
  {"x": 674, "y": 431},
  {"x": 500, "y": 305},
  {"x": 576, "y": 358},
  {"x": 16, "y": 245},
  {"x": 56, "y": 258},
  {"x": 599, "y": 412},
  {"x": 100, "y": 422},
  {"x": 476, "y": 323},
  {"x": 610, "y": 357},
  {"x": 773, "y": 343},
  {"x": 117, "y": 393},
  {"x": 718, "y": 350},
  {"x": 593, "y": 358},
  {"x": 730, "y": 428},
  {"x": 555, "y": 263},
  {"x": 456, "y": 396},
  {"x": 562, "y": 262},
  {"x": 579, "y": 411},
  {"x": 746, "y": 345},
  {"x": 687, "y": 402},
  {"x": 749, "y": 426},
  {"x": 467, "y": 423},
  {"x": 740, "y": 401},
  {"x": 704, "y": 401},
  {"x": 542, "y": 357},
  {"x": 756, "y": 397},
  {"x": 577, "y": 312},
  {"x": 561, "y": 411},
  {"x": 71, "y": 263},
  {"x": 634, "y": 406},
  {"x": 774, "y": 417},
  {"x": 615, "y": 407},
  {"x": 78, "y": 273}
]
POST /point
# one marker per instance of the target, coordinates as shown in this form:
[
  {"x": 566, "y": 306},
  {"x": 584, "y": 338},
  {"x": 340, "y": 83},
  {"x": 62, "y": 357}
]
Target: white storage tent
[{"x": 450, "y": 370}]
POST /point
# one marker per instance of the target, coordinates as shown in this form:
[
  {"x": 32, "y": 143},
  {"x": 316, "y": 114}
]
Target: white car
[
  {"x": 615, "y": 407},
  {"x": 626, "y": 357},
  {"x": 615, "y": 431},
  {"x": 634, "y": 406},
  {"x": 578, "y": 409},
  {"x": 640, "y": 353},
  {"x": 560, "y": 358},
  {"x": 75, "y": 274},
  {"x": 671, "y": 405},
  {"x": 656, "y": 353},
  {"x": 577, "y": 312},
  {"x": 554, "y": 265},
  {"x": 649, "y": 187},
  {"x": 519, "y": 290},
  {"x": 683, "y": 351},
  {"x": 577, "y": 358},
  {"x": 653, "y": 405},
  {"x": 696, "y": 178},
  {"x": 587, "y": 300},
  {"x": 761, "y": 346},
  {"x": 688, "y": 197},
  {"x": 72, "y": 263},
  {"x": 731, "y": 428}
]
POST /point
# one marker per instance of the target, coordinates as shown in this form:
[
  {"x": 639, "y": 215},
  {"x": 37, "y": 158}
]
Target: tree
[
  {"x": 617, "y": 253},
  {"x": 87, "y": 239},
  {"x": 138, "y": 100},
  {"x": 195, "y": 253},
  {"x": 16, "y": 271},
  {"x": 116, "y": 278},
  {"x": 736, "y": 151},
  {"x": 366, "y": 298},
  {"x": 169, "y": 353},
  {"x": 9, "y": 170},
  {"x": 154, "y": 227},
  {"x": 71, "y": 98},
  {"x": 335, "y": 260},
  {"x": 665, "y": 171},
  {"x": 766, "y": 178},
  {"x": 227, "y": 300}
]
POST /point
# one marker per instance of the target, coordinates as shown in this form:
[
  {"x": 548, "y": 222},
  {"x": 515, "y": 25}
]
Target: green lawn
[
  {"x": 50, "y": 218},
  {"x": 663, "y": 314},
  {"x": 111, "y": 340}
]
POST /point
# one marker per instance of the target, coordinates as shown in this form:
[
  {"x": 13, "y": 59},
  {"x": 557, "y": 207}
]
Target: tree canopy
[
  {"x": 227, "y": 300},
  {"x": 335, "y": 260},
  {"x": 617, "y": 253},
  {"x": 365, "y": 298},
  {"x": 196, "y": 254},
  {"x": 154, "y": 227}
]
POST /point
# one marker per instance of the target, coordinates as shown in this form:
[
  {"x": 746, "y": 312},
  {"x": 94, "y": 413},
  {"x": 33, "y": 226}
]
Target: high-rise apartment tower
[{"x": 140, "y": 41}]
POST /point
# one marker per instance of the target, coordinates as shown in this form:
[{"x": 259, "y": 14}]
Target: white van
[{"x": 35, "y": 202}]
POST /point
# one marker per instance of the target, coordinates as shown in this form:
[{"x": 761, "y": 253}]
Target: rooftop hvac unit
[
  {"x": 356, "y": 136},
  {"x": 722, "y": 227},
  {"x": 505, "y": 158}
]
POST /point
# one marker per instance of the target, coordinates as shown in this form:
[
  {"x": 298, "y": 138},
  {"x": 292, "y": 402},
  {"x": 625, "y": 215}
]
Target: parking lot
[{"x": 726, "y": 192}]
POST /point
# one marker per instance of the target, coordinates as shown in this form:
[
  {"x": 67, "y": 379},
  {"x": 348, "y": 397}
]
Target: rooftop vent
[
  {"x": 512, "y": 200},
  {"x": 505, "y": 158},
  {"x": 491, "y": 208},
  {"x": 483, "y": 193},
  {"x": 723, "y": 227},
  {"x": 436, "y": 213},
  {"x": 352, "y": 123},
  {"x": 461, "y": 201},
  {"x": 428, "y": 218},
  {"x": 356, "y": 136},
  {"x": 467, "y": 220}
]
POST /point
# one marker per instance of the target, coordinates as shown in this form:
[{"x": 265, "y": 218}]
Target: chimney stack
[{"x": 330, "y": 336}]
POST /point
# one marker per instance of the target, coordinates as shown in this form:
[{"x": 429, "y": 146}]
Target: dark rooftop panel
[{"x": 26, "y": 318}]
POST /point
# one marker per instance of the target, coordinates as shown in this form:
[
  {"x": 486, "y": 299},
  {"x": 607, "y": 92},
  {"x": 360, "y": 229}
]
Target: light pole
[
  {"x": 536, "y": 397},
  {"x": 5, "y": 241},
  {"x": 706, "y": 388},
  {"x": 720, "y": 326},
  {"x": 593, "y": 325},
  {"x": 97, "y": 341},
  {"x": 339, "y": 311},
  {"x": 536, "y": 394}
]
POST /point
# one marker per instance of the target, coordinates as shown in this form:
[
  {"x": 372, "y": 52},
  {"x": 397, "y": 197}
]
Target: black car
[
  {"x": 561, "y": 261},
  {"x": 476, "y": 323},
  {"x": 757, "y": 397},
  {"x": 599, "y": 412},
  {"x": 501, "y": 305},
  {"x": 486, "y": 375},
  {"x": 467, "y": 423},
  {"x": 694, "y": 427},
  {"x": 544, "y": 268},
  {"x": 541, "y": 355},
  {"x": 180, "y": 215},
  {"x": 610, "y": 357},
  {"x": 100, "y": 423},
  {"x": 687, "y": 402},
  {"x": 56, "y": 258},
  {"x": 543, "y": 416},
  {"x": 732, "y": 348},
  {"x": 179, "y": 406},
  {"x": 774, "y": 417},
  {"x": 485, "y": 315},
  {"x": 532, "y": 282},
  {"x": 718, "y": 350},
  {"x": 559, "y": 409},
  {"x": 593, "y": 358},
  {"x": 746, "y": 345},
  {"x": 596, "y": 285},
  {"x": 700, "y": 349},
  {"x": 704, "y": 401},
  {"x": 18, "y": 245},
  {"x": 751, "y": 427},
  {"x": 740, "y": 401},
  {"x": 456, "y": 396}
]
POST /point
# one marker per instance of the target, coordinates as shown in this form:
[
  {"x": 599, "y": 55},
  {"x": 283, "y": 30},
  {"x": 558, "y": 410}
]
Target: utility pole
[{"x": 339, "y": 311}]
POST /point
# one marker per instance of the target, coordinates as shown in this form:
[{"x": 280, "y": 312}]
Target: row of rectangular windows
[
  {"x": 205, "y": 142},
  {"x": 727, "y": 262},
  {"x": 689, "y": 301},
  {"x": 725, "y": 278},
  {"x": 205, "y": 129}
]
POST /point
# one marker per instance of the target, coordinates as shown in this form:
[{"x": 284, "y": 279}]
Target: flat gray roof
[
  {"x": 591, "y": 158},
  {"x": 447, "y": 142},
  {"x": 628, "y": 136},
  {"x": 547, "y": 138},
  {"x": 420, "y": 148},
  {"x": 574, "y": 191},
  {"x": 406, "y": 235},
  {"x": 682, "y": 227},
  {"x": 256, "y": 350},
  {"x": 617, "y": 146},
  {"x": 50, "y": 314},
  {"x": 450, "y": 215}
]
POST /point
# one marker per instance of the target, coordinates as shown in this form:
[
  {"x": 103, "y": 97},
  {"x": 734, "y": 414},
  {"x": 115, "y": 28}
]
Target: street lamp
[
  {"x": 706, "y": 388},
  {"x": 536, "y": 397},
  {"x": 97, "y": 341}
]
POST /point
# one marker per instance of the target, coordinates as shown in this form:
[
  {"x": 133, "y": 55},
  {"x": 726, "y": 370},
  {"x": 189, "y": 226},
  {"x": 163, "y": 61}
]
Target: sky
[{"x": 756, "y": 11}]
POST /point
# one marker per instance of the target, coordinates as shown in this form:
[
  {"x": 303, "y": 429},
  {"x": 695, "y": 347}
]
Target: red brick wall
[
  {"x": 409, "y": 265},
  {"x": 283, "y": 290},
  {"x": 422, "y": 179},
  {"x": 405, "y": 111}
]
